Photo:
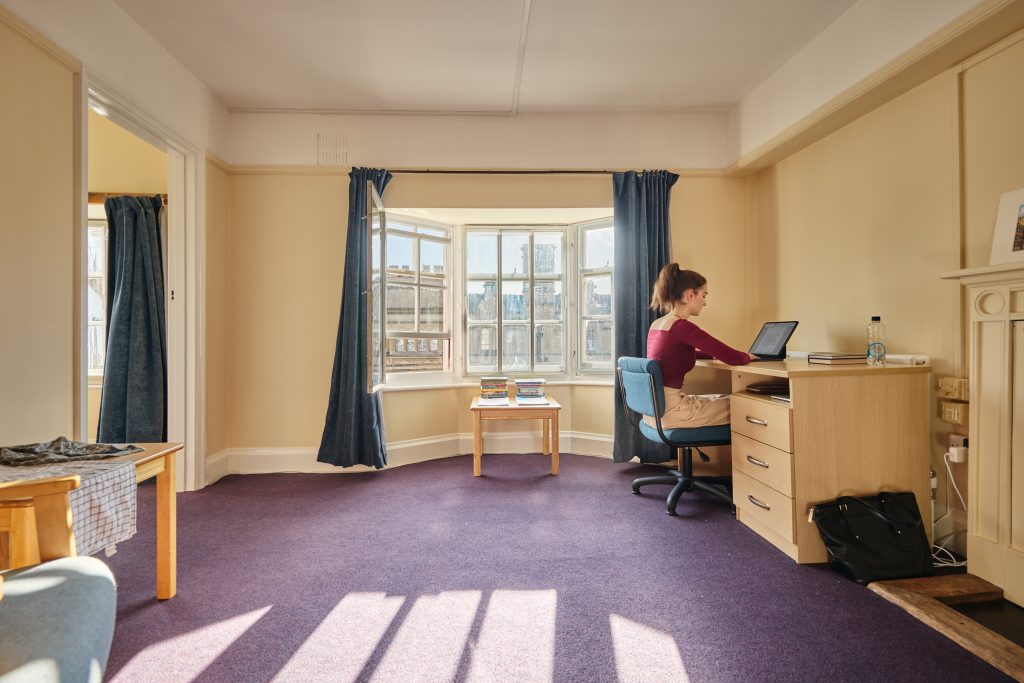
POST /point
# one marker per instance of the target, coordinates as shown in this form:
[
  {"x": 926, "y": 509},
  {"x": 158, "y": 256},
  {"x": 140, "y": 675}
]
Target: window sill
[{"x": 476, "y": 385}]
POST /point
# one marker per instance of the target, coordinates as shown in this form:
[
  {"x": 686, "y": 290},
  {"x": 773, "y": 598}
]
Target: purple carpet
[{"x": 425, "y": 573}]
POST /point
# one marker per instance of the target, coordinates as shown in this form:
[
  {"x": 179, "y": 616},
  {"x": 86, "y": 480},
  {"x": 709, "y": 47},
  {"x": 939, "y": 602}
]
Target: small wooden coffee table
[{"x": 547, "y": 414}]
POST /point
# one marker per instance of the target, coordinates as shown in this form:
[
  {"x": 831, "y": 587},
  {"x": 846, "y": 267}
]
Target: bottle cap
[{"x": 876, "y": 318}]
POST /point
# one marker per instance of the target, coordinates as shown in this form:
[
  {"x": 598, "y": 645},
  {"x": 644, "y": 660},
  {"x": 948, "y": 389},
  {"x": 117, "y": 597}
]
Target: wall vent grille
[{"x": 331, "y": 150}]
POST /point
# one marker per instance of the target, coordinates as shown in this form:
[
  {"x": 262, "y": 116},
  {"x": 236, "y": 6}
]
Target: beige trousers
[{"x": 684, "y": 411}]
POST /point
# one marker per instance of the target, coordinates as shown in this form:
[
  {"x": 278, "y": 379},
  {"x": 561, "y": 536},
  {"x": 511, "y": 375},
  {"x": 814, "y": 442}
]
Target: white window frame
[
  {"x": 412, "y": 379},
  {"x": 599, "y": 370},
  {"x": 97, "y": 218},
  {"x": 572, "y": 283}
]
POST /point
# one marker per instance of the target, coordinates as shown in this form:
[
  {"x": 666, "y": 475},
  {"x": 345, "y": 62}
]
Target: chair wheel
[{"x": 671, "y": 513}]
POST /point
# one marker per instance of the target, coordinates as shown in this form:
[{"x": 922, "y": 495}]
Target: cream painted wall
[
  {"x": 218, "y": 298},
  {"x": 865, "y": 222},
  {"x": 285, "y": 256},
  {"x": 37, "y": 190},
  {"x": 993, "y": 143},
  {"x": 122, "y": 162}
]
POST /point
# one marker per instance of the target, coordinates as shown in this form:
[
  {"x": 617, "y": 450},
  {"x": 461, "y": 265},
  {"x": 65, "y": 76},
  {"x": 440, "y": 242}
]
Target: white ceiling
[{"x": 484, "y": 56}]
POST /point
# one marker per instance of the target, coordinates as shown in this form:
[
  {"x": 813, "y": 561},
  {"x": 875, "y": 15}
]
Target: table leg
[
  {"x": 554, "y": 443},
  {"x": 166, "y": 530},
  {"x": 478, "y": 442},
  {"x": 545, "y": 439}
]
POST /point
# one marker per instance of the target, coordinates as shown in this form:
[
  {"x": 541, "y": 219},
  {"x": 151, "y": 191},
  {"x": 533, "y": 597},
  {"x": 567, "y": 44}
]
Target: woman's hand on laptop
[{"x": 752, "y": 357}]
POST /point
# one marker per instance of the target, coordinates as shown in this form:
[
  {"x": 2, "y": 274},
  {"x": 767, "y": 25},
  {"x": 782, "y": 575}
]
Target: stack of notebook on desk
[
  {"x": 530, "y": 392},
  {"x": 835, "y": 358},
  {"x": 493, "y": 391}
]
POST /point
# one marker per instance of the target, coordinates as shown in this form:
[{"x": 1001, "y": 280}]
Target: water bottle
[{"x": 876, "y": 341}]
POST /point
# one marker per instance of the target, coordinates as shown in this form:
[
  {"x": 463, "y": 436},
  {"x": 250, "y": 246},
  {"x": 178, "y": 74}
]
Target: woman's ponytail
[{"x": 672, "y": 282}]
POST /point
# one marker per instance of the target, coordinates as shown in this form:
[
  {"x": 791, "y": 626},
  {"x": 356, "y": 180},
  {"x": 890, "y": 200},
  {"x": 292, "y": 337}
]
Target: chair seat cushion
[
  {"x": 694, "y": 436},
  {"x": 57, "y": 621}
]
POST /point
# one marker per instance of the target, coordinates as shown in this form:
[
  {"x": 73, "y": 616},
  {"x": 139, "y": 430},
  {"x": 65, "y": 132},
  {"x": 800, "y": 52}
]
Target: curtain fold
[
  {"x": 641, "y": 249},
  {"x": 133, "y": 404},
  {"x": 354, "y": 427}
]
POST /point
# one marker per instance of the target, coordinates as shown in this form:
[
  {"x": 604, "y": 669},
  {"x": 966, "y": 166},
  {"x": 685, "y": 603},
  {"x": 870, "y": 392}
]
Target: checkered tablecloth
[{"x": 103, "y": 509}]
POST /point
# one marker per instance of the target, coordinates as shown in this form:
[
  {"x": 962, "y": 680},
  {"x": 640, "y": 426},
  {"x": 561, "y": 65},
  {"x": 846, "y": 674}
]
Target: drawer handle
[
  {"x": 758, "y": 503},
  {"x": 755, "y": 421},
  {"x": 759, "y": 463}
]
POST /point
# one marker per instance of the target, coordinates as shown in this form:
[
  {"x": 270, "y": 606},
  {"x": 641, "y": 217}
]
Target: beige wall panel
[
  {"x": 121, "y": 162},
  {"x": 439, "y": 190},
  {"x": 993, "y": 145},
  {"x": 218, "y": 305},
  {"x": 593, "y": 409},
  {"x": 421, "y": 414},
  {"x": 865, "y": 224},
  {"x": 37, "y": 192},
  {"x": 286, "y": 256},
  {"x": 94, "y": 394}
]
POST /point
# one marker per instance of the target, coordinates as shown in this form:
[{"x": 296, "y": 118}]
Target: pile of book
[
  {"x": 529, "y": 388},
  {"x": 833, "y": 358},
  {"x": 494, "y": 387}
]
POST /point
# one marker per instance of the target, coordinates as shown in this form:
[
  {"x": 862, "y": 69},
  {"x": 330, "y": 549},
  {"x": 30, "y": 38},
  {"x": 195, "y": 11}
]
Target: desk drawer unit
[
  {"x": 763, "y": 504},
  {"x": 763, "y": 421},
  {"x": 766, "y": 464}
]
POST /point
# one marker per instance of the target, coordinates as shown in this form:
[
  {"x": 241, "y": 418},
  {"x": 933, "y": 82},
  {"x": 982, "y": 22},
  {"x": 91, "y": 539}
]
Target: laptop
[{"x": 770, "y": 343}]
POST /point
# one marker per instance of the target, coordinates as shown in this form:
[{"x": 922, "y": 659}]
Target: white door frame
[{"x": 186, "y": 257}]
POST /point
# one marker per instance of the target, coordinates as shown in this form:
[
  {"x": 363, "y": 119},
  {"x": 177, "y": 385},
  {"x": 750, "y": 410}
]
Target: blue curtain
[
  {"x": 641, "y": 249},
  {"x": 133, "y": 405},
  {"x": 354, "y": 429}
]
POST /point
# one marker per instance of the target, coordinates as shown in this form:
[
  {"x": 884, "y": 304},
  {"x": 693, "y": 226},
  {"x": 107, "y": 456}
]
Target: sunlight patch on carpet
[
  {"x": 517, "y": 638},
  {"x": 645, "y": 654},
  {"x": 344, "y": 641},
  {"x": 430, "y": 641},
  {"x": 203, "y": 645}
]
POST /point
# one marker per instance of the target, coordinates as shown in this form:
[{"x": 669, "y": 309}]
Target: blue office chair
[{"x": 643, "y": 392}]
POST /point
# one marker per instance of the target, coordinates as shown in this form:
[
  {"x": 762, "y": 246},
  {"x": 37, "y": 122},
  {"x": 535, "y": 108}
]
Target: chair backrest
[{"x": 643, "y": 390}]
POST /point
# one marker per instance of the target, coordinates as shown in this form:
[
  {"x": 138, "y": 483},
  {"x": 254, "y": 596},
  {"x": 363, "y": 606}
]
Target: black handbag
[{"x": 872, "y": 538}]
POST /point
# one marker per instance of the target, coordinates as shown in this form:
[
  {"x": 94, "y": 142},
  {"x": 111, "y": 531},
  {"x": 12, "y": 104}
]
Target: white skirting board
[{"x": 303, "y": 459}]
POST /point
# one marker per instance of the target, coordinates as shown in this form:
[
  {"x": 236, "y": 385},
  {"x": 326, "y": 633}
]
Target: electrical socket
[
  {"x": 957, "y": 440},
  {"x": 954, "y": 413},
  {"x": 954, "y": 388}
]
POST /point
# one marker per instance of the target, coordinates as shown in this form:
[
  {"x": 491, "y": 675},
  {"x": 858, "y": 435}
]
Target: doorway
[{"x": 158, "y": 159}]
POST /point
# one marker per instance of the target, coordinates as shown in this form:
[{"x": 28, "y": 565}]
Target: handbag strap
[{"x": 881, "y": 514}]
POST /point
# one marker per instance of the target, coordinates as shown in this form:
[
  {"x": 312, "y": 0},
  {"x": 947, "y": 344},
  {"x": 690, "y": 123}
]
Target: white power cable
[{"x": 941, "y": 557}]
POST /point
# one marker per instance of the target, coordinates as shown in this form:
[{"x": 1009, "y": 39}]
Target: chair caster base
[{"x": 671, "y": 513}]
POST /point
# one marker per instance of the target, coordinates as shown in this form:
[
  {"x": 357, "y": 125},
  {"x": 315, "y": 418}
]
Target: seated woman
[{"x": 676, "y": 343}]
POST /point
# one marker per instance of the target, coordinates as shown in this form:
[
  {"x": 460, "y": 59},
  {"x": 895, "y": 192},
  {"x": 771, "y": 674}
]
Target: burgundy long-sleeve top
[{"x": 678, "y": 348}]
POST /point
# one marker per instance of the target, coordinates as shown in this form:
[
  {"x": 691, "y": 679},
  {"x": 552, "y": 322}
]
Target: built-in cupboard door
[{"x": 1014, "y": 556}]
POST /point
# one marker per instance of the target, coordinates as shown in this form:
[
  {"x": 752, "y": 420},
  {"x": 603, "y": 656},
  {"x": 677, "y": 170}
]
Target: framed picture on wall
[{"x": 1008, "y": 240}]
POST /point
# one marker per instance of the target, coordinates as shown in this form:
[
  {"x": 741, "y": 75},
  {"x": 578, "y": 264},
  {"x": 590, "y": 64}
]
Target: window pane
[
  {"x": 547, "y": 303},
  {"x": 548, "y": 346},
  {"x": 431, "y": 309},
  {"x": 515, "y": 349},
  {"x": 482, "y": 352},
  {"x": 598, "y": 249},
  {"x": 401, "y": 304},
  {"x": 96, "y": 250},
  {"x": 432, "y": 259},
  {"x": 515, "y": 254},
  {"x": 416, "y": 355},
  {"x": 515, "y": 300},
  {"x": 547, "y": 253},
  {"x": 481, "y": 301},
  {"x": 597, "y": 295},
  {"x": 375, "y": 256},
  {"x": 481, "y": 254},
  {"x": 97, "y": 350},
  {"x": 97, "y": 309},
  {"x": 597, "y": 342},
  {"x": 399, "y": 255}
]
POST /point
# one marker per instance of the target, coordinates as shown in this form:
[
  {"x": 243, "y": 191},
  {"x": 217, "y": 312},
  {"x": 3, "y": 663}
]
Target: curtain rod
[
  {"x": 100, "y": 197},
  {"x": 540, "y": 172}
]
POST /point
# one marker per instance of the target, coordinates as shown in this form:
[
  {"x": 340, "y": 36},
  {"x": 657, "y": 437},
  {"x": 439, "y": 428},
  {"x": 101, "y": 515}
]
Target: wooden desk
[
  {"x": 548, "y": 415},
  {"x": 848, "y": 430},
  {"x": 158, "y": 460}
]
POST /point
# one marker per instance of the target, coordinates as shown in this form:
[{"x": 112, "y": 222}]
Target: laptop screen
[{"x": 771, "y": 341}]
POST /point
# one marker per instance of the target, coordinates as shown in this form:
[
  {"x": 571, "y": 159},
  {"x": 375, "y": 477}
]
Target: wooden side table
[{"x": 547, "y": 414}]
